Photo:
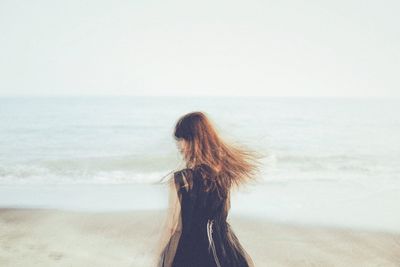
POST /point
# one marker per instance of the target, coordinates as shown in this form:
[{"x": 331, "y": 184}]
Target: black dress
[{"x": 205, "y": 238}]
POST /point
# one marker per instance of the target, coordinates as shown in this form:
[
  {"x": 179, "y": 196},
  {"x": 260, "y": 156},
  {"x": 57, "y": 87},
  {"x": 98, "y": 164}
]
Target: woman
[{"x": 197, "y": 232}]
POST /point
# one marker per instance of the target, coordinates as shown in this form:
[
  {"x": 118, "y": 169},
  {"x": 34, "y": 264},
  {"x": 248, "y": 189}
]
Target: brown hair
[{"x": 232, "y": 164}]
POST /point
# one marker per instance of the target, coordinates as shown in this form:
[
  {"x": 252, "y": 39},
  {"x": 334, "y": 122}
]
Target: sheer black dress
[{"x": 202, "y": 237}]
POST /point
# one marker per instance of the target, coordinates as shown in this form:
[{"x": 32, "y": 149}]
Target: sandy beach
[{"x": 46, "y": 237}]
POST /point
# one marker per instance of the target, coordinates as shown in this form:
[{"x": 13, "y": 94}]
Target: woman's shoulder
[
  {"x": 200, "y": 168},
  {"x": 184, "y": 178},
  {"x": 182, "y": 173}
]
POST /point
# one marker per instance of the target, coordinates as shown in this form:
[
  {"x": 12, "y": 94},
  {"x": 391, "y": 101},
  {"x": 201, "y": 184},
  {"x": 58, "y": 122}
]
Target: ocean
[{"x": 327, "y": 160}]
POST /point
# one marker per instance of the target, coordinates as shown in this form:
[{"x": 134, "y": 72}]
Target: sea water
[{"x": 327, "y": 160}]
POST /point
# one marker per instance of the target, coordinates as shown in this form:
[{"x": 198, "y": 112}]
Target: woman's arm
[
  {"x": 171, "y": 228},
  {"x": 174, "y": 208}
]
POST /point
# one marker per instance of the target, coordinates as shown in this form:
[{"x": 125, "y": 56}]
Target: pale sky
[{"x": 147, "y": 47}]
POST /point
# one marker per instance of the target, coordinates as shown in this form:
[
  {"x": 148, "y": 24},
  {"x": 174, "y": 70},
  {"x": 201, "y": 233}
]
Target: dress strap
[{"x": 211, "y": 244}]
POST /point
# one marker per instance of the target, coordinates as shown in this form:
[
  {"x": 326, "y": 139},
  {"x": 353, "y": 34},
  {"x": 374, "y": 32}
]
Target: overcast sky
[{"x": 147, "y": 47}]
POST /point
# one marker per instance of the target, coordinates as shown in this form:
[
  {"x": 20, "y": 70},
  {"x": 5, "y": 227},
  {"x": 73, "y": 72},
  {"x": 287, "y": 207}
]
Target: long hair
[
  {"x": 221, "y": 165},
  {"x": 231, "y": 164}
]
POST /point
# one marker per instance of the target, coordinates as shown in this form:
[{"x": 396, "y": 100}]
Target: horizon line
[{"x": 189, "y": 96}]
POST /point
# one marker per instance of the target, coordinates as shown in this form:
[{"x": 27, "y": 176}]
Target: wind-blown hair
[{"x": 231, "y": 164}]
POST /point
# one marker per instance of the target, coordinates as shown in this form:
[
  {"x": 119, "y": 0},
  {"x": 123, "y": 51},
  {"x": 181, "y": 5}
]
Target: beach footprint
[{"x": 55, "y": 255}]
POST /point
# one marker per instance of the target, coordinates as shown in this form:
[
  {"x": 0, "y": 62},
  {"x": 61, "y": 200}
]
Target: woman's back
[
  {"x": 206, "y": 237},
  {"x": 202, "y": 199}
]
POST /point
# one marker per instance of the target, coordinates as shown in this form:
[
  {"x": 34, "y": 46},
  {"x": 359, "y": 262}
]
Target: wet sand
[{"x": 45, "y": 237}]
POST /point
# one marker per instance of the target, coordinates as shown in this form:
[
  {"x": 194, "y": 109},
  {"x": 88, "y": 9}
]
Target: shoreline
[
  {"x": 52, "y": 237},
  {"x": 340, "y": 203}
]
